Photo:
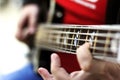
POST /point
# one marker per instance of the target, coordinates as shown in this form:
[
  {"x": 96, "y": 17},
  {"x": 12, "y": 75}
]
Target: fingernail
[
  {"x": 54, "y": 55},
  {"x": 40, "y": 69}
]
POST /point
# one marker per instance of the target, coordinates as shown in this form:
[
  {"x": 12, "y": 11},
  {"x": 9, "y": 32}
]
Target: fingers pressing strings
[
  {"x": 84, "y": 57},
  {"x": 86, "y": 61}
]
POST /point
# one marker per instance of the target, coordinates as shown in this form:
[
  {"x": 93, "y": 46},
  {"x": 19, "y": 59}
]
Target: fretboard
[{"x": 104, "y": 39}]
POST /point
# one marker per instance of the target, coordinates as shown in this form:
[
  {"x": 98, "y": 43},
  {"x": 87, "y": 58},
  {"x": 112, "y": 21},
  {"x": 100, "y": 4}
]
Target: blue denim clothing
[{"x": 25, "y": 73}]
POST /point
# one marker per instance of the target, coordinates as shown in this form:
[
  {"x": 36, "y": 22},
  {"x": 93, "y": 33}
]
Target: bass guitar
[{"x": 65, "y": 39}]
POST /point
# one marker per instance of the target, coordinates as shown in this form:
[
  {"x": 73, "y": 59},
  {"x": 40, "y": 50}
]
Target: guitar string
[
  {"x": 90, "y": 34},
  {"x": 98, "y": 41},
  {"x": 54, "y": 42},
  {"x": 95, "y": 42},
  {"x": 72, "y": 51},
  {"x": 106, "y": 43},
  {"x": 91, "y": 27},
  {"x": 112, "y": 58}
]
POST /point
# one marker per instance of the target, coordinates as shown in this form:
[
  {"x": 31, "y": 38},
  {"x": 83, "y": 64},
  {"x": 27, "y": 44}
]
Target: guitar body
[{"x": 68, "y": 61}]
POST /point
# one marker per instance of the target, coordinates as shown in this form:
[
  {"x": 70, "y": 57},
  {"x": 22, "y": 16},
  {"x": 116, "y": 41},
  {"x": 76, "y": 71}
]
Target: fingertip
[
  {"x": 83, "y": 47},
  {"x": 55, "y": 58},
  {"x": 44, "y": 73},
  {"x": 55, "y": 62},
  {"x": 40, "y": 69},
  {"x": 54, "y": 55},
  {"x": 87, "y": 44}
]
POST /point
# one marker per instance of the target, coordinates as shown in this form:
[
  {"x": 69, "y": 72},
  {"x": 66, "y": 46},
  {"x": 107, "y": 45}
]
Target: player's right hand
[{"x": 27, "y": 22}]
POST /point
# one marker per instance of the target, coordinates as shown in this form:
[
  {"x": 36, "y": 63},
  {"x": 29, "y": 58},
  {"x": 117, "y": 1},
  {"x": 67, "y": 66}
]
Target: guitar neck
[{"x": 104, "y": 40}]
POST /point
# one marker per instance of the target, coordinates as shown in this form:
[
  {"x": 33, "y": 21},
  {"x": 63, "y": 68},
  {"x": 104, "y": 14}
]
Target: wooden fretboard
[{"x": 104, "y": 39}]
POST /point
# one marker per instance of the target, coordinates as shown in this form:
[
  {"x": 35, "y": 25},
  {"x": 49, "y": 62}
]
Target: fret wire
[
  {"x": 65, "y": 39},
  {"x": 96, "y": 48},
  {"x": 72, "y": 40},
  {"x": 100, "y": 34},
  {"x": 95, "y": 41},
  {"x": 87, "y": 35},
  {"x": 106, "y": 43},
  {"x": 79, "y": 38},
  {"x": 61, "y": 40},
  {"x": 58, "y": 38},
  {"x": 49, "y": 37}
]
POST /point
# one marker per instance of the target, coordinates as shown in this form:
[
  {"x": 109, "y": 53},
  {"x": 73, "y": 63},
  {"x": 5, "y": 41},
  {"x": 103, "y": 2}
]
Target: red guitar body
[{"x": 69, "y": 62}]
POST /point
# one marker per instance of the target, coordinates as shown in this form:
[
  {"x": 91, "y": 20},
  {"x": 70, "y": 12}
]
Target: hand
[
  {"x": 28, "y": 16},
  {"x": 91, "y": 69}
]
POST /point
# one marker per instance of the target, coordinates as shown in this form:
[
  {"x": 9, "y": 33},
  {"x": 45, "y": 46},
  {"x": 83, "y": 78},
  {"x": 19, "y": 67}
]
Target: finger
[
  {"x": 58, "y": 72},
  {"x": 84, "y": 56},
  {"x": 21, "y": 23},
  {"x": 32, "y": 23},
  {"x": 45, "y": 74},
  {"x": 87, "y": 62},
  {"x": 55, "y": 61}
]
